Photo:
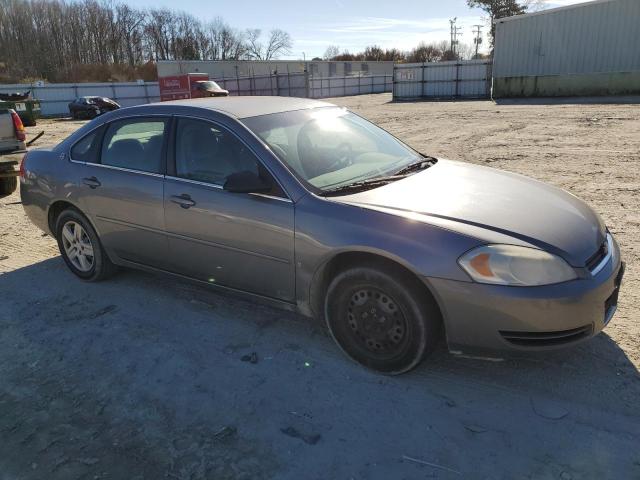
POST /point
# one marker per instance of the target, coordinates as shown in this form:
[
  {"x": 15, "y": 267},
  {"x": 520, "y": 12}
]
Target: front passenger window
[
  {"x": 207, "y": 153},
  {"x": 134, "y": 144}
]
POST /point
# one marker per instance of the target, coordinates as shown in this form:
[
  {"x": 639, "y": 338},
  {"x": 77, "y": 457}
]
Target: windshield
[
  {"x": 209, "y": 85},
  {"x": 331, "y": 147}
]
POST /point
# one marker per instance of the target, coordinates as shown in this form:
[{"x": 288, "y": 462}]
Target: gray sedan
[{"x": 306, "y": 205}]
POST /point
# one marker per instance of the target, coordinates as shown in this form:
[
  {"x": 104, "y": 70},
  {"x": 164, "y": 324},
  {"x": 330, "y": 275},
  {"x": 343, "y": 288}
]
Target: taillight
[
  {"x": 21, "y": 134},
  {"x": 23, "y": 166}
]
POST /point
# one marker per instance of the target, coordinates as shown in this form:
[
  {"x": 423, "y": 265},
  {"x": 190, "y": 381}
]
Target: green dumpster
[{"x": 28, "y": 110}]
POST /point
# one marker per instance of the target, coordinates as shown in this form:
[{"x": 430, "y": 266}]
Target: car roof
[{"x": 249, "y": 106}]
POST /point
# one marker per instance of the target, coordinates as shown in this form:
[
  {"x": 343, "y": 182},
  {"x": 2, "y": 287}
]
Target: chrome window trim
[
  {"x": 195, "y": 182},
  {"x": 272, "y": 197},
  {"x": 220, "y": 187},
  {"x": 251, "y": 149},
  {"x": 606, "y": 259},
  {"x": 121, "y": 169}
]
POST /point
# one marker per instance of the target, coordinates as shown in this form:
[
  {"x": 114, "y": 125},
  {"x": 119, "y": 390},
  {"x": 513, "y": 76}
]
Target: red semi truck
[{"x": 189, "y": 85}]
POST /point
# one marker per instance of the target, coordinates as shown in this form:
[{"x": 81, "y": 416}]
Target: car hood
[{"x": 482, "y": 202}]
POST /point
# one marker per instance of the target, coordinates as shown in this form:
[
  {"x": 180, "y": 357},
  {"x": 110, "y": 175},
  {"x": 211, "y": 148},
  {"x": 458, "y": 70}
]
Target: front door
[
  {"x": 122, "y": 184},
  {"x": 237, "y": 240}
]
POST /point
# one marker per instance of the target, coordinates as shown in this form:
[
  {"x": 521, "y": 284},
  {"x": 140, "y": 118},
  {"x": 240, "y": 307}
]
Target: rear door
[
  {"x": 238, "y": 240},
  {"x": 122, "y": 187}
]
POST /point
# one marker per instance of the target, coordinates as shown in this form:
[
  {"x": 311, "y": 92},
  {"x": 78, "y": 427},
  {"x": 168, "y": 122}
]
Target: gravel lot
[{"x": 143, "y": 376}]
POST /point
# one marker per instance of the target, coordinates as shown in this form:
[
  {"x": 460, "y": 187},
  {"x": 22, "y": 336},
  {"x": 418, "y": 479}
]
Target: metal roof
[{"x": 249, "y": 106}]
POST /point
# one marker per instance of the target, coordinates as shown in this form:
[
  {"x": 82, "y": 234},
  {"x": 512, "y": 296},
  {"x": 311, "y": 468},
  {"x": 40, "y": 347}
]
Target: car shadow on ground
[{"x": 146, "y": 376}]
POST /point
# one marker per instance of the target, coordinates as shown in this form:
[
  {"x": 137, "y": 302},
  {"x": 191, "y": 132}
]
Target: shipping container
[{"x": 590, "y": 48}]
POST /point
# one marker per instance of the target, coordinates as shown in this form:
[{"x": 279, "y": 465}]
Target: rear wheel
[
  {"x": 80, "y": 247},
  {"x": 8, "y": 185},
  {"x": 382, "y": 319}
]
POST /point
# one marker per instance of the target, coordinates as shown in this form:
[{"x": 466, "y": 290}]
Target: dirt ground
[{"x": 143, "y": 376}]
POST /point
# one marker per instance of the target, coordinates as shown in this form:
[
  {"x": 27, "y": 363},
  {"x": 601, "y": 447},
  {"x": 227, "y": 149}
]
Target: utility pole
[
  {"x": 477, "y": 38},
  {"x": 455, "y": 31}
]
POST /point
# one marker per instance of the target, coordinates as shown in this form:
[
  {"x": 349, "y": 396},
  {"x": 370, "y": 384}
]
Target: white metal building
[{"x": 590, "y": 48}]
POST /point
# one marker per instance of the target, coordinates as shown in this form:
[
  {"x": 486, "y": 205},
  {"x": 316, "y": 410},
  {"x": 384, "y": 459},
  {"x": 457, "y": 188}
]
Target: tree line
[
  {"x": 60, "y": 40},
  {"x": 99, "y": 40},
  {"x": 423, "y": 52}
]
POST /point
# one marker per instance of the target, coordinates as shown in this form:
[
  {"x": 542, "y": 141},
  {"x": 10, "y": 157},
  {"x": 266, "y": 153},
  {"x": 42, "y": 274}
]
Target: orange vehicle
[{"x": 189, "y": 85}]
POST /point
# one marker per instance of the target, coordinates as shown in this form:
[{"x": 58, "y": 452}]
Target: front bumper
[{"x": 483, "y": 318}]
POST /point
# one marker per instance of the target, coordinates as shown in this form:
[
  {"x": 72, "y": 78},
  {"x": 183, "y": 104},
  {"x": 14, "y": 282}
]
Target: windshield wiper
[
  {"x": 362, "y": 185},
  {"x": 368, "y": 184},
  {"x": 421, "y": 164}
]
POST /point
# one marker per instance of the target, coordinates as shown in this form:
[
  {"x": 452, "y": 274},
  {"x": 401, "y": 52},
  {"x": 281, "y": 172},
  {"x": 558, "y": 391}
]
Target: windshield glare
[
  {"x": 209, "y": 85},
  {"x": 330, "y": 147}
]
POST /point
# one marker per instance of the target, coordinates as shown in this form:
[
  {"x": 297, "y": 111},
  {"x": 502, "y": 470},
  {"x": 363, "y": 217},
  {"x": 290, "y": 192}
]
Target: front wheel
[
  {"x": 80, "y": 247},
  {"x": 382, "y": 319}
]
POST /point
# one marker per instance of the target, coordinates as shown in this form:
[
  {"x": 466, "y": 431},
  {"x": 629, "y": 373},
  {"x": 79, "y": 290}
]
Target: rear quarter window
[{"x": 86, "y": 149}]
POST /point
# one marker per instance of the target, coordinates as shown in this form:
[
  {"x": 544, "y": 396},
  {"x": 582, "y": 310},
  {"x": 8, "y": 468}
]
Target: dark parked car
[
  {"x": 209, "y": 88},
  {"x": 319, "y": 210},
  {"x": 91, "y": 107}
]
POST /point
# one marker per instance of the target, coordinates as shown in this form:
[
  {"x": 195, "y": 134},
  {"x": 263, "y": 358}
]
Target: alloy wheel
[{"x": 77, "y": 246}]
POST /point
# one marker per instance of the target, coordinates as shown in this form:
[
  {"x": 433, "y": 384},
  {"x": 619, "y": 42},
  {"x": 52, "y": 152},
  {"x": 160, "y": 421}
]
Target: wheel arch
[
  {"x": 342, "y": 260},
  {"x": 59, "y": 206}
]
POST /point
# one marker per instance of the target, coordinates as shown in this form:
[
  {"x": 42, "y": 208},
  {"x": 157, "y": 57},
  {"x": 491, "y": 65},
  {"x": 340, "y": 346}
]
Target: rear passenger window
[
  {"x": 134, "y": 144},
  {"x": 86, "y": 150}
]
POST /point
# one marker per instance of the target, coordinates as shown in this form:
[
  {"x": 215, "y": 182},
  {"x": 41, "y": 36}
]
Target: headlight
[{"x": 513, "y": 265}]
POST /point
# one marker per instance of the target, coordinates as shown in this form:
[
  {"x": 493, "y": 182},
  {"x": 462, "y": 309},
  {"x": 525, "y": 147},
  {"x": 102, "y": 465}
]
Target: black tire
[
  {"x": 8, "y": 186},
  {"x": 101, "y": 266},
  {"x": 382, "y": 318}
]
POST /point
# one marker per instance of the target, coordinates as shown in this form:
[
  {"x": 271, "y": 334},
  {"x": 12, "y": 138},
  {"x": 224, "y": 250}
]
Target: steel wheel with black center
[
  {"x": 382, "y": 318},
  {"x": 81, "y": 248}
]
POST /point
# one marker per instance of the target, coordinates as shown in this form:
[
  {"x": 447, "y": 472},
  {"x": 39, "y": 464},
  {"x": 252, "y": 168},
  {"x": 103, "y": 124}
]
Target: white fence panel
[
  {"x": 324, "y": 87},
  {"x": 467, "y": 79},
  {"x": 55, "y": 97}
]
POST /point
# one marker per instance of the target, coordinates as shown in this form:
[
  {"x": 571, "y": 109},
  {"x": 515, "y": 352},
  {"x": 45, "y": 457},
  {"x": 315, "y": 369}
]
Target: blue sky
[{"x": 349, "y": 24}]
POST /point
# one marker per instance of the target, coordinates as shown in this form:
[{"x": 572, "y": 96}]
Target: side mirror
[{"x": 246, "y": 182}]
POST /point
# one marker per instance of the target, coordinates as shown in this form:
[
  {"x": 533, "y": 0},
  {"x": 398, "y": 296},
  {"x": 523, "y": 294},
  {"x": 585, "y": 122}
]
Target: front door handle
[
  {"x": 92, "y": 182},
  {"x": 183, "y": 200}
]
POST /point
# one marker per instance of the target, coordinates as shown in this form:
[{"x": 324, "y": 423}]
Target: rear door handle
[
  {"x": 92, "y": 182},
  {"x": 183, "y": 200}
]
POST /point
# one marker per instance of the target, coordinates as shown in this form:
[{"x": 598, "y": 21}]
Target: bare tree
[
  {"x": 331, "y": 52},
  {"x": 255, "y": 48},
  {"x": 425, "y": 53},
  {"x": 465, "y": 51},
  {"x": 279, "y": 43}
]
